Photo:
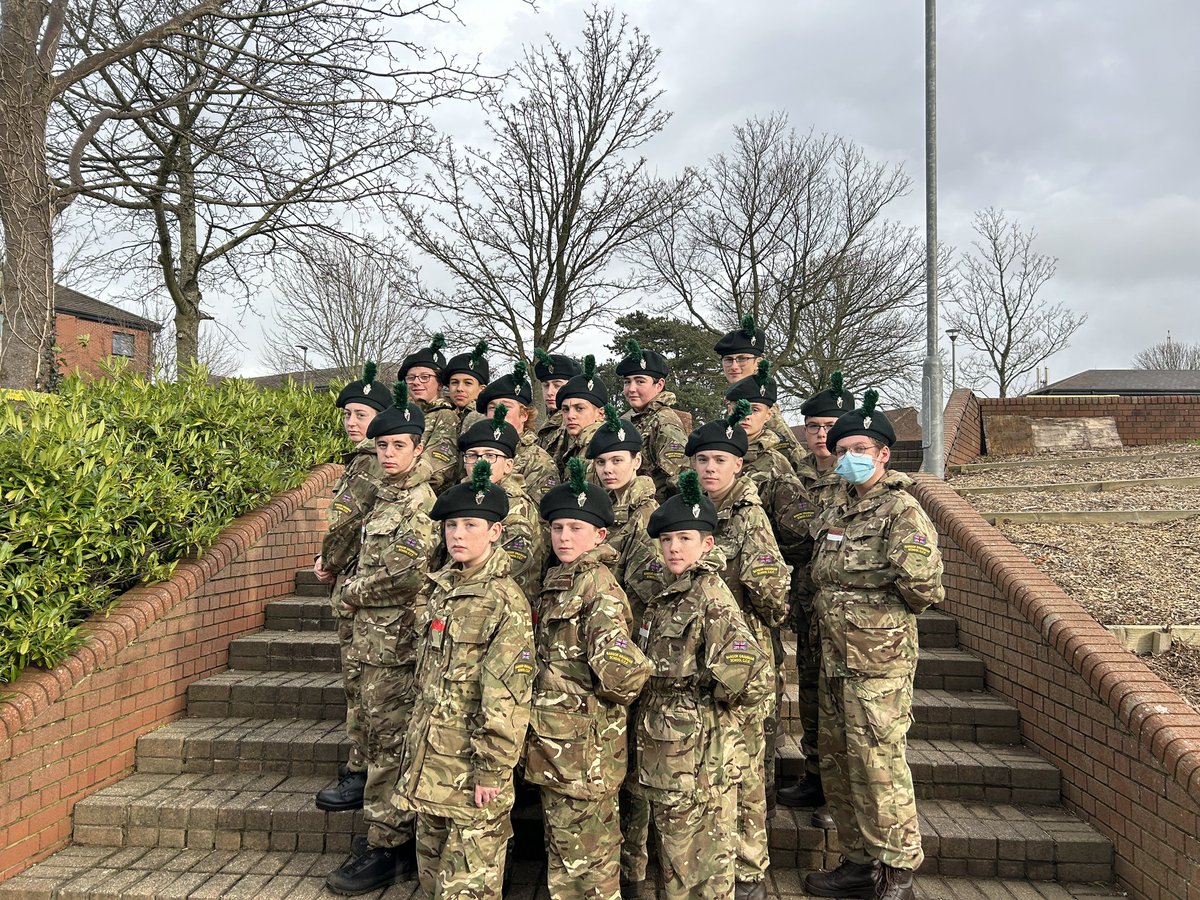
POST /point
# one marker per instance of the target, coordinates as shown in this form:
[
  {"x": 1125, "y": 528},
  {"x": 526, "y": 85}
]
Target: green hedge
[{"x": 115, "y": 481}]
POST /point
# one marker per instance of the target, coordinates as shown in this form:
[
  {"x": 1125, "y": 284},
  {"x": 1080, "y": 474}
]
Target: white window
[{"x": 122, "y": 344}]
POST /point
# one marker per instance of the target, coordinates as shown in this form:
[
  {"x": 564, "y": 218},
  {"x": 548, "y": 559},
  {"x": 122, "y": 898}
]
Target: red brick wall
[
  {"x": 1140, "y": 420},
  {"x": 85, "y": 344},
  {"x": 1127, "y": 744},
  {"x": 962, "y": 428},
  {"x": 67, "y": 732}
]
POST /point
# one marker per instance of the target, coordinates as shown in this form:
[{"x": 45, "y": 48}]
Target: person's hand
[
  {"x": 323, "y": 575},
  {"x": 485, "y": 795}
]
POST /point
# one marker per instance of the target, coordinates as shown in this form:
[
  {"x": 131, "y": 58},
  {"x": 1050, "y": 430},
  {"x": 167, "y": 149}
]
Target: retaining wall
[
  {"x": 1127, "y": 744},
  {"x": 67, "y": 732},
  {"x": 1140, "y": 420},
  {"x": 962, "y": 428}
]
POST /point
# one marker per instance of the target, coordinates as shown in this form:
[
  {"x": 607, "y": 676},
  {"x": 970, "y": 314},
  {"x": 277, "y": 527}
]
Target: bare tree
[
  {"x": 218, "y": 348},
  {"x": 248, "y": 132},
  {"x": 790, "y": 228},
  {"x": 531, "y": 230},
  {"x": 347, "y": 302},
  {"x": 1168, "y": 354},
  {"x": 996, "y": 306}
]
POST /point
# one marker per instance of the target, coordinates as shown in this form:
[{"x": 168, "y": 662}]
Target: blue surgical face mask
[{"x": 855, "y": 467}]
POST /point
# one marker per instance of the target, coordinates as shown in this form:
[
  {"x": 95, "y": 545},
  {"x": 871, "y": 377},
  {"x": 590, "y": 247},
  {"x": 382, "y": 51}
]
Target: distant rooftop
[
  {"x": 1126, "y": 382},
  {"x": 70, "y": 301},
  {"x": 320, "y": 379}
]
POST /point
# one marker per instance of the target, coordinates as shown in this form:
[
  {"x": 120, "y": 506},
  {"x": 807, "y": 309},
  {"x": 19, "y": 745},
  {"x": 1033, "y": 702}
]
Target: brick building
[{"x": 89, "y": 332}]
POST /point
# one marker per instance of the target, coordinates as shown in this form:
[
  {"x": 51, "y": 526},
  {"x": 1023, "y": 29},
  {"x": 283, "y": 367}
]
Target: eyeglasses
[
  {"x": 743, "y": 360},
  {"x": 418, "y": 379},
  {"x": 861, "y": 450},
  {"x": 473, "y": 456},
  {"x": 814, "y": 428}
]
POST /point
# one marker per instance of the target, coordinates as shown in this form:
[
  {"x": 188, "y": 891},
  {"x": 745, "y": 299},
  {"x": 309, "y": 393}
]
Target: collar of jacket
[
  {"x": 638, "y": 491},
  {"x": 395, "y": 485},
  {"x": 551, "y": 424},
  {"x": 877, "y": 493},
  {"x": 514, "y": 484},
  {"x": 561, "y": 576},
  {"x": 428, "y": 406},
  {"x": 743, "y": 493},
  {"x": 451, "y": 579},
  {"x": 711, "y": 563},
  {"x": 665, "y": 400},
  {"x": 362, "y": 448},
  {"x": 528, "y": 439},
  {"x": 766, "y": 440}
]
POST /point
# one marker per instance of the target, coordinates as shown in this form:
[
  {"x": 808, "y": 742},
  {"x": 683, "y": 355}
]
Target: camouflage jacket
[
  {"x": 536, "y": 466},
  {"x": 440, "y": 458},
  {"x": 823, "y": 487},
  {"x": 877, "y": 565},
  {"x": 577, "y": 446},
  {"x": 353, "y": 496},
  {"x": 588, "y": 670},
  {"x": 663, "y": 440},
  {"x": 754, "y": 570},
  {"x": 706, "y": 661},
  {"x": 639, "y": 567},
  {"x": 789, "y": 446},
  {"x": 467, "y": 416},
  {"x": 398, "y": 540},
  {"x": 475, "y": 670},
  {"x": 552, "y": 436}
]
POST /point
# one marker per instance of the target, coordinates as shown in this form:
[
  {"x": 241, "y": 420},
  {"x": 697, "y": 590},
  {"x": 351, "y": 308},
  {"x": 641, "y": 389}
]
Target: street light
[
  {"x": 304, "y": 356},
  {"x": 952, "y": 333},
  {"x": 931, "y": 371}
]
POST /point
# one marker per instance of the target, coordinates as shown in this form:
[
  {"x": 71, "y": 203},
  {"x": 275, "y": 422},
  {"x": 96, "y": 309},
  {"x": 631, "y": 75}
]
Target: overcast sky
[{"x": 1077, "y": 118}]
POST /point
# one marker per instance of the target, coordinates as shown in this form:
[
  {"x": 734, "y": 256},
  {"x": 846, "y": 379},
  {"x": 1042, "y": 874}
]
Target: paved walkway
[{"x": 136, "y": 873}]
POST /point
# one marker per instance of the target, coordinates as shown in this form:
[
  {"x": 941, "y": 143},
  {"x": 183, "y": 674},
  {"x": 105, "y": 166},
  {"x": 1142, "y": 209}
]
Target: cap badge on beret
[
  {"x": 407, "y": 414},
  {"x": 643, "y": 363},
  {"x": 866, "y": 421},
  {"x": 695, "y": 510},
  {"x": 762, "y": 390},
  {"x": 582, "y": 499},
  {"x": 620, "y": 434},
  {"x": 496, "y": 432},
  {"x": 729, "y": 432},
  {"x": 839, "y": 401},
  {"x": 367, "y": 388},
  {"x": 479, "y": 495}
]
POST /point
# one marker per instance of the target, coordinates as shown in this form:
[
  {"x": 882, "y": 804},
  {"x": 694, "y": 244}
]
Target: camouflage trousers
[
  {"x": 351, "y": 682},
  {"x": 695, "y": 844},
  {"x": 751, "y": 858},
  {"x": 463, "y": 859},
  {"x": 583, "y": 847},
  {"x": 387, "y": 696},
  {"x": 771, "y": 723},
  {"x": 635, "y": 834},
  {"x": 808, "y": 673},
  {"x": 867, "y": 782}
]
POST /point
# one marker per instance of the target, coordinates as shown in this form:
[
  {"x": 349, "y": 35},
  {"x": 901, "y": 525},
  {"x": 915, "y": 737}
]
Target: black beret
[
  {"x": 495, "y": 433},
  {"x": 615, "y": 434},
  {"x": 747, "y": 339},
  {"x": 366, "y": 391},
  {"x": 473, "y": 363},
  {"x": 474, "y": 499},
  {"x": 757, "y": 388},
  {"x": 507, "y": 387},
  {"x": 552, "y": 366},
  {"x": 586, "y": 386},
  {"x": 867, "y": 421},
  {"x": 575, "y": 498},
  {"x": 724, "y": 434},
  {"x": 401, "y": 417},
  {"x": 689, "y": 510},
  {"x": 642, "y": 362},
  {"x": 430, "y": 357},
  {"x": 834, "y": 402}
]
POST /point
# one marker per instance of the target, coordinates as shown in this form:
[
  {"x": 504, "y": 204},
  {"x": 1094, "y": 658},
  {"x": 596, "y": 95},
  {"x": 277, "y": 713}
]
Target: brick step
[
  {"x": 298, "y": 613},
  {"x": 268, "y": 695},
  {"x": 95, "y": 872},
  {"x": 308, "y": 586},
  {"x": 248, "y": 746},
  {"x": 952, "y": 770},
  {"x": 966, "y": 839}
]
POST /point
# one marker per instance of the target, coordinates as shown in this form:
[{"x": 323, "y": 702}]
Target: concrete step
[
  {"x": 250, "y": 693},
  {"x": 971, "y": 716},
  {"x": 966, "y": 839},
  {"x": 308, "y": 586},
  {"x": 950, "y": 770},
  {"x": 249, "y": 746},
  {"x": 274, "y": 812},
  {"x": 298, "y": 613},
  {"x": 85, "y": 873}
]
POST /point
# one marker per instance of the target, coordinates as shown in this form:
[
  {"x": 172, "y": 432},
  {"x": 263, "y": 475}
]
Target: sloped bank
[
  {"x": 70, "y": 730},
  {"x": 1128, "y": 745}
]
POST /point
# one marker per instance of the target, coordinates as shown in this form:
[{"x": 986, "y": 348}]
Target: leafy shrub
[{"x": 120, "y": 479}]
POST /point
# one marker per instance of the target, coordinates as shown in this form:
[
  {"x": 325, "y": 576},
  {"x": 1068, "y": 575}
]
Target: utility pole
[{"x": 931, "y": 370}]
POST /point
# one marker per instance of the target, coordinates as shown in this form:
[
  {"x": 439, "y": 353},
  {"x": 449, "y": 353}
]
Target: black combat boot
[
  {"x": 374, "y": 869},
  {"x": 346, "y": 794},
  {"x": 823, "y": 818},
  {"x": 359, "y": 845},
  {"x": 632, "y": 890},
  {"x": 749, "y": 890},
  {"x": 804, "y": 793},
  {"x": 894, "y": 884},
  {"x": 850, "y": 879}
]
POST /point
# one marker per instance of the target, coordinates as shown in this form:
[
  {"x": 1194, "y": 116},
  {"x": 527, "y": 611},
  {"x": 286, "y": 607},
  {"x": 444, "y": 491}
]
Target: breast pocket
[
  {"x": 864, "y": 548},
  {"x": 672, "y": 648},
  {"x": 558, "y": 633},
  {"x": 469, "y": 637}
]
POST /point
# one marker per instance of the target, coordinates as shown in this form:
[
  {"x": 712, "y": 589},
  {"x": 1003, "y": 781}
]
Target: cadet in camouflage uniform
[
  {"x": 398, "y": 539},
  {"x": 757, "y": 577},
  {"x": 876, "y": 567},
  {"x": 707, "y": 664},
  {"x": 532, "y": 462},
  {"x": 475, "y": 667},
  {"x": 464, "y": 379},
  {"x": 553, "y": 370},
  {"x": 821, "y": 412},
  {"x": 495, "y": 441},
  {"x": 614, "y": 451},
  {"x": 644, "y": 373},
  {"x": 588, "y": 672},
  {"x": 420, "y": 371},
  {"x": 581, "y": 401},
  {"x": 739, "y": 352},
  {"x": 353, "y": 496}
]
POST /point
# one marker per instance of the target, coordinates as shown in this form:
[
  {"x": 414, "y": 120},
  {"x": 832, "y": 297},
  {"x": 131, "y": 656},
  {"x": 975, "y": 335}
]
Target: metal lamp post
[
  {"x": 952, "y": 333},
  {"x": 304, "y": 357},
  {"x": 931, "y": 371}
]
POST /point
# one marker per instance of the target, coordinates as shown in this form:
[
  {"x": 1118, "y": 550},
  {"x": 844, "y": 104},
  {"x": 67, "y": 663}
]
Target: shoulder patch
[
  {"x": 617, "y": 656},
  {"x": 918, "y": 549},
  {"x": 744, "y": 659}
]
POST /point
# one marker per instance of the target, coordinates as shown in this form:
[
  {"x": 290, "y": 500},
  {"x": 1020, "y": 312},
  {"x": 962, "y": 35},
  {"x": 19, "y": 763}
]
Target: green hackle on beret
[
  {"x": 478, "y": 353},
  {"x": 520, "y": 373},
  {"x": 634, "y": 350},
  {"x": 870, "y": 398},
  {"x": 542, "y": 356},
  {"x": 836, "y": 382},
  {"x": 577, "y": 475},
  {"x": 369, "y": 370},
  {"x": 589, "y": 367},
  {"x": 438, "y": 342},
  {"x": 689, "y": 487},
  {"x": 481, "y": 476},
  {"x": 741, "y": 411},
  {"x": 749, "y": 327},
  {"x": 764, "y": 372},
  {"x": 400, "y": 395},
  {"x": 498, "y": 415},
  {"x": 612, "y": 419}
]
